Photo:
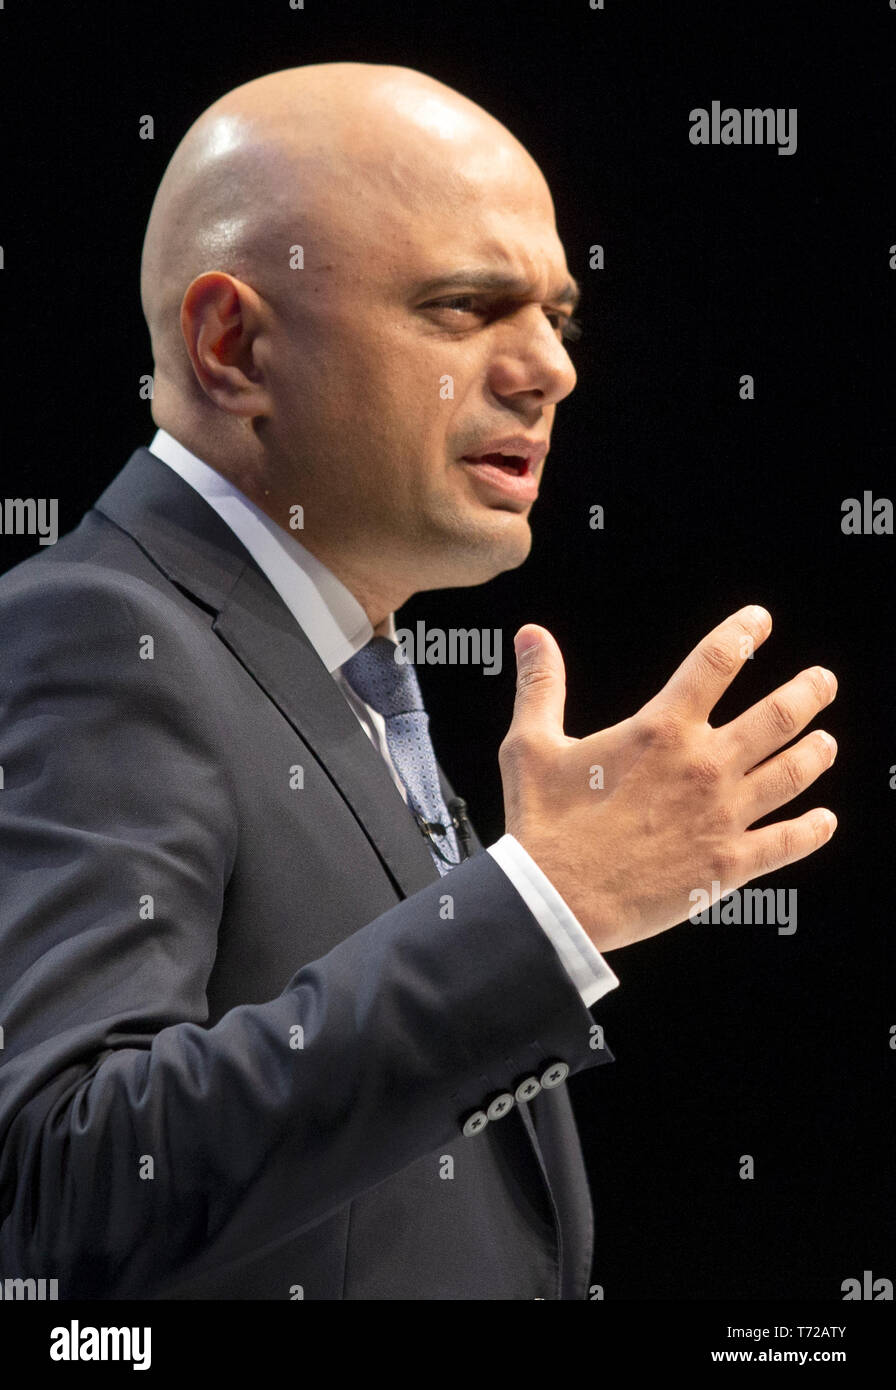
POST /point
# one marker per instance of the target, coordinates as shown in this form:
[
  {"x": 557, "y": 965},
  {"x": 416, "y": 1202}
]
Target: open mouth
[
  {"x": 508, "y": 480},
  {"x": 515, "y": 464}
]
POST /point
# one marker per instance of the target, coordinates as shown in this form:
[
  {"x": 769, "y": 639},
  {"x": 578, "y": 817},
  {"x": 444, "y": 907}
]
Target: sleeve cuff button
[
  {"x": 554, "y": 1075},
  {"x": 501, "y": 1106}
]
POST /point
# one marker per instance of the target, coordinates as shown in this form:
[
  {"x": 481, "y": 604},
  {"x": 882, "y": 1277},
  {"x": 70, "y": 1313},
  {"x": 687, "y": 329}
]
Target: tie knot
[{"x": 388, "y": 685}]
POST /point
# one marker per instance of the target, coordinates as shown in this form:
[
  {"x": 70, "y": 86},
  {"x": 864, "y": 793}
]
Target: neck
[{"x": 378, "y": 594}]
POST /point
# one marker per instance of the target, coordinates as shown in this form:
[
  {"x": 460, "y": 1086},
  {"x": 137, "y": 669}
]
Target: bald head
[
  {"x": 324, "y": 157},
  {"x": 422, "y": 323}
]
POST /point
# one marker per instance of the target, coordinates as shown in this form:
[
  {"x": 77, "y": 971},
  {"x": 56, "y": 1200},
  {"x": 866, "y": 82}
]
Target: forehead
[{"x": 479, "y": 211}]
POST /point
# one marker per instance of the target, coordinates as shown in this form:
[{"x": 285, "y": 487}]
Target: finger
[
  {"x": 540, "y": 684},
  {"x": 706, "y": 673},
  {"x": 787, "y": 841},
  {"x": 782, "y": 778},
  {"x": 764, "y": 727}
]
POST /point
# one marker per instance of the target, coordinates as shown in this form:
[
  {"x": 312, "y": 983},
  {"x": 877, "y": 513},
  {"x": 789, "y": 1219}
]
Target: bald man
[{"x": 276, "y": 1024}]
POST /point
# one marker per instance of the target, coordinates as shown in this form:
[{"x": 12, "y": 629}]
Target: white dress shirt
[{"x": 337, "y": 627}]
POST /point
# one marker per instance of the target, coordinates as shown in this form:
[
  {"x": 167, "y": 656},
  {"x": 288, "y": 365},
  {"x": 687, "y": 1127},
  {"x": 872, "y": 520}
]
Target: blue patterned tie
[{"x": 391, "y": 688}]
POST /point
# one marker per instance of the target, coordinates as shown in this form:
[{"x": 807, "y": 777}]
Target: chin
[
  {"x": 479, "y": 563},
  {"x": 470, "y": 550}
]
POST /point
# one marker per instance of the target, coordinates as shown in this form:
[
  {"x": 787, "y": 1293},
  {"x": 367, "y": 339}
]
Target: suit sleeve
[{"x": 137, "y": 1143}]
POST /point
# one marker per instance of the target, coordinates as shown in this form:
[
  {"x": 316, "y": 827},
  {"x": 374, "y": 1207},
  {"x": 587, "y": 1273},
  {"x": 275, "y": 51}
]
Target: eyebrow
[{"x": 493, "y": 282}]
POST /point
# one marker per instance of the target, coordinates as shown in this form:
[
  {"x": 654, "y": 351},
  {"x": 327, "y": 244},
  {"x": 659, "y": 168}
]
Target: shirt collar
[{"x": 330, "y": 616}]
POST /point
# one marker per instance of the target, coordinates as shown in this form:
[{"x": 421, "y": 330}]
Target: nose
[{"x": 531, "y": 363}]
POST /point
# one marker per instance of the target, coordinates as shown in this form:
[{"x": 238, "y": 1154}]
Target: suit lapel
[
  {"x": 267, "y": 640},
  {"x": 199, "y": 553}
]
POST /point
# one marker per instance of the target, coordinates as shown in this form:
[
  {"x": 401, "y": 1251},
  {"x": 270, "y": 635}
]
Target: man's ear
[{"x": 221, "y": 319}]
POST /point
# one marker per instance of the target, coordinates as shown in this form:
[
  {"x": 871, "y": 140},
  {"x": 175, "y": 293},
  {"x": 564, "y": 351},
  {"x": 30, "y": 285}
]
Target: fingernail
[{"x": 760, "y": 615}]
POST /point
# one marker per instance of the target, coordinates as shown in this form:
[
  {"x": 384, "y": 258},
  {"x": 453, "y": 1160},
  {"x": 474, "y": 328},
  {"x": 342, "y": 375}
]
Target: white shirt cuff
[{"x": 587, "y": 968}]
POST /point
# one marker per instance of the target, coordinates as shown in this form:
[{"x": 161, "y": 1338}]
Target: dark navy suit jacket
[{"x": 243, "y": 1024}]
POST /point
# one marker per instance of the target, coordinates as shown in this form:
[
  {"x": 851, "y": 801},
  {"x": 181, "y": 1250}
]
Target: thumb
[{"x": 540, "y": 682}]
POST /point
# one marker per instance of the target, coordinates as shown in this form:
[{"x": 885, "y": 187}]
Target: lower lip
[{"x": 523, "y": 487}]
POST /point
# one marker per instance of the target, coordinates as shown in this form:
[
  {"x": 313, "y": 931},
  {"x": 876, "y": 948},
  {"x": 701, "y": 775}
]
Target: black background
[{"x": 719, "y": 261}]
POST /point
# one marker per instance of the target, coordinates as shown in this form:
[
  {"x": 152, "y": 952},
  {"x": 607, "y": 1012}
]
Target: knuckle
[
  {"x": 760, "y": 860},
  {"x": 788, "y": 842},
  {"x": 779, "y": 714},
  {"x": 719, "y": 658},
  {"x": 792, "y": 776},
  {"x": 724, "y": 816},
  {"x": 724, "y": 861},
  {"x": 704, "y": 771},
  {"x": 530, "y": 677},
  {"x": 660, "y": 729},
  {"x": 514, "y": 746}
]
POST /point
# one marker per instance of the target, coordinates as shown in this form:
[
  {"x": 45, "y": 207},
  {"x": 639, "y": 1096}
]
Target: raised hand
[{"x": 628, "y": 822}]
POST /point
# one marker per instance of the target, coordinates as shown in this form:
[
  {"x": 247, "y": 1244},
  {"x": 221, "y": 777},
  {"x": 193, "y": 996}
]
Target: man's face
[{"x": 426, "y": 332}]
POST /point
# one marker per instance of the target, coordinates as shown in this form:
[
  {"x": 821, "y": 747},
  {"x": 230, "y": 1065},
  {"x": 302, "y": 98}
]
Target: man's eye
[
  {"x": 462, "y": 303},
  {"x": 570, "y": 328}
]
